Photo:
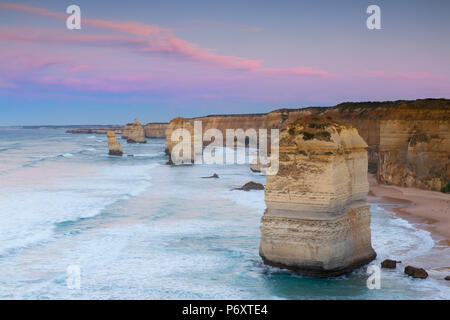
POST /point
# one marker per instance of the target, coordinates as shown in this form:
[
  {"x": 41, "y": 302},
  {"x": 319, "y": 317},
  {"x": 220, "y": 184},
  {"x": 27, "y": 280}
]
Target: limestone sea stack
[
  {"x": 317, "y": 221},
  {"x": 134, "y": 133},
  {"x": 115, "y": 149}
]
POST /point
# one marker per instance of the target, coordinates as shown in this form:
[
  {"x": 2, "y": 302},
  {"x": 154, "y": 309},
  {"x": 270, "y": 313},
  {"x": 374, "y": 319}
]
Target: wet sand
[{"x": 428, "y": 210}]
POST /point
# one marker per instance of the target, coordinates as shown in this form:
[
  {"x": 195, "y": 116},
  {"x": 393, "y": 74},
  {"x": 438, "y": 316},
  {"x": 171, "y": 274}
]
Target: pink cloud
[
  {"x": 6, "y": 85},
  {"x": 295, "y": 71},
  {"x": 127, "y": 27},
  {"x": 172, "y": 47},
  {"x": 15, "y": 64},
  {"x": 183, "y": 48},
  {"x": 162, "y": 42},
  {"x": 137, "y": 73},
  {"x": 78, "y": 68},
  {"x": 115, "y": 84}
]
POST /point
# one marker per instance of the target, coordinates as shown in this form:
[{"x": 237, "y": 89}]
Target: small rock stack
[
  {"x": 115, "y": 149},
  {"x": 134, "y": 133}
]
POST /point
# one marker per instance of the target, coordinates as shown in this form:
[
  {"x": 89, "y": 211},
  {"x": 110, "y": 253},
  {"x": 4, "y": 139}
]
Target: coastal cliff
[
  {"x": 317, "y": 221},
  {"x": 155, "y": 130},
  {"x": 116, "y": 130},
  {"x": 376, "y": 123},
  {"x": 414, "y": 148},
  {"x": 134, "y": 133},
  {"x": 151, "y": 130}
]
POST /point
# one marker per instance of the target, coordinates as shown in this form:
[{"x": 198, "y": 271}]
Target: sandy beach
[{"x": 428, "y": 210}]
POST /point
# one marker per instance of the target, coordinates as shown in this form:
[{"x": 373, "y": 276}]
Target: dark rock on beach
[
  {"x": 255, "y": 167},
  {"x": 251, "y": 186},
  {"x": 214, "y": 176},
  {"x": 416, "y": 272},
  {"x": 115, "y": 153},
  {"x": 389, "y": 264}
]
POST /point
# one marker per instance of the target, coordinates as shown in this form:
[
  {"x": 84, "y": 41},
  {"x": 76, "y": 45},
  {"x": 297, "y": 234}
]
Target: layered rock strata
[
  {"x": 155, "y": 130},
  {"x": 134, "y": 133},
  {"x": 317, "y": 221},
  {"x": 414, "y": 148},
  {"x": 115, "y": 149}
]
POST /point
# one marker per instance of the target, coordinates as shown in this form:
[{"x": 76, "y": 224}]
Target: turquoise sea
[{"x": 139, "y": 229}]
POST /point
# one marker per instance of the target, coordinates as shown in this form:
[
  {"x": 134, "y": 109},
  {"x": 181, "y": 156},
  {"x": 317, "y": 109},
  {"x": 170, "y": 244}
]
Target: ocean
[{"x": 139, "y": 229}]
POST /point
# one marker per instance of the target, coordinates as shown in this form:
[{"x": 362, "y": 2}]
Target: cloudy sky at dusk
[{"x": 155, "y": 60}]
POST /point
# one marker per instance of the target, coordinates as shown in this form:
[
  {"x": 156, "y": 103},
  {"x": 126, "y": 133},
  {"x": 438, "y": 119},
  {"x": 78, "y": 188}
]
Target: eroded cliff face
[
  {"x": 155, "y": 130},
  {"x": 134, "y": 133},
  {"x": 115, "y": 149},
  {"x": 317, "y": 221},
  {"x": 430, "y": 116},
  {"x": 414, "y": 148}
]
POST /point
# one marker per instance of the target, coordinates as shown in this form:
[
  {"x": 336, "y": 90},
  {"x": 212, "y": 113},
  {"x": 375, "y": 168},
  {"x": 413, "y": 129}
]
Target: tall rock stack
[
  {"x": 115, "y": 149},
  {"x": 317, "y": 221},
  {"x": 134, "y": 133}
]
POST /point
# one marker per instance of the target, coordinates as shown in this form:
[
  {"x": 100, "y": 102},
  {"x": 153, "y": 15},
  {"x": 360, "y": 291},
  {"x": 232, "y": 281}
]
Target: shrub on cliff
[
  {"x": 308, "y": 136},
  {"x": 446, "y": 189}
]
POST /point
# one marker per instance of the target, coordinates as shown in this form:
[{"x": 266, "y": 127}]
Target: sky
[{"x": 156, "y": 60}]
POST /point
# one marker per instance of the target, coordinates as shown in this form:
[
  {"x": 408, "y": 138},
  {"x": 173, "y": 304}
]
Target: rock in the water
[
  {"x": 317, "y": 221},
  {"x": 214, "y": 176},
  {"x": 255, "y": 167},
  {"x": 115, "y": 149},
  {"x": 134, "y": 133},
  {"x": 447, "y": 278},
  {"x": 258, "y": 166},
  {"x": 389, "y": 264},
  {"x": 251, "y": 186},
  {"x": 416, "y": 272}
]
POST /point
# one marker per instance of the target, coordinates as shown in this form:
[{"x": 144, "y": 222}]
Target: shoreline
[{"x": 427, "y": 210}]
